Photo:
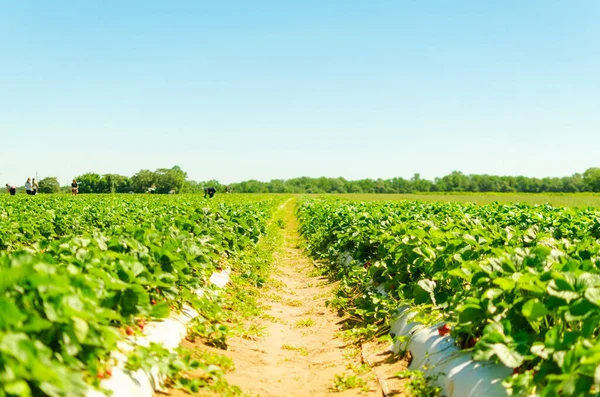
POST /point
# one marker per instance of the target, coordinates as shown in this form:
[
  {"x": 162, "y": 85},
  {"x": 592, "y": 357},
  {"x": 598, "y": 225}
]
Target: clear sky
[{"x": 234, "y": 90}]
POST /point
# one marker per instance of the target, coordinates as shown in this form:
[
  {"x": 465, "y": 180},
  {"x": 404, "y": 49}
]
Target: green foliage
[
  {"x": 164, "y": 179},
  {"x": 591, "y": 179},
  {"x": 168, "y": 179},
  {"x": 80, "y": 275},
  {"x": 183, "y": 369},
  {"x": 114, "y": 183},
  {"x": 454, "y": 182},
  {"x": 418, "y": 384},
  {"x": 342, "y": 382},
  {"x": 142, "y": 180},
  {"x": 107, "y": 183},
  {"x": 518, "y": 284},
  {"x": 49, "y": 185}
]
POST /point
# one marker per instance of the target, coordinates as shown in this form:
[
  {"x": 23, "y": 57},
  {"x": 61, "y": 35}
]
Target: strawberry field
[
  {"x": 511, "y": 283},
  {"x": 81, "y": 274}
]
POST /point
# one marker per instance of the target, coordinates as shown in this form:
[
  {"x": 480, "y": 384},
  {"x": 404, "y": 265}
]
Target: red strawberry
[
  {"x": 108, "y": 372},
  {"x": 129, "y": 331},
  {"x": 444, "y": 330},
  {"x": 100, "y": 375}
]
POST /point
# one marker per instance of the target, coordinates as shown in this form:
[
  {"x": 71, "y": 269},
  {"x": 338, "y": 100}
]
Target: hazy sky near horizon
[{"x": 237, "y": 90}]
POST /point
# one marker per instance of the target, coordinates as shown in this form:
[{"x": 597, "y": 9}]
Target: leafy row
[
  {"x": 80, "y": 274},
  {"x": 519, "y": 284}
]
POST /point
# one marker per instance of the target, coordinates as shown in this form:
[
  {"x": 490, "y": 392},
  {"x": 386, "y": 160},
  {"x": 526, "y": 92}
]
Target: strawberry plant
[
  {"x": 80, "y": 274},
  {"x": 517, "y": 284}
]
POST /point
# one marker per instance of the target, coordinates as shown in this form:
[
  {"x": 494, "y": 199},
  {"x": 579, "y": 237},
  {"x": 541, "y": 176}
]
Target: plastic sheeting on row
[
  {"x": 438, "y": 357},
  {"x": 169, "y": 333}
]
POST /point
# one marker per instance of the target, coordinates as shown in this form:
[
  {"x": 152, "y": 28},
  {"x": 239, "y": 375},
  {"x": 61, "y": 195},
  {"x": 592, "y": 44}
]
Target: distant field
[{"x": 566, "y": 200}]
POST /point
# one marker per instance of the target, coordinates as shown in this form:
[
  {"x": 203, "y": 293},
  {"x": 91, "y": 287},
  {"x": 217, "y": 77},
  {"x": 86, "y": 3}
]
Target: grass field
[{"x": 565, "y": 200}]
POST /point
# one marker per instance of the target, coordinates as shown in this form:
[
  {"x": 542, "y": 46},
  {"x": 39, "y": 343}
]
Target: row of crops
[
  {"x": 80, "y": 274},
  {"x": 516, "y": 284}
]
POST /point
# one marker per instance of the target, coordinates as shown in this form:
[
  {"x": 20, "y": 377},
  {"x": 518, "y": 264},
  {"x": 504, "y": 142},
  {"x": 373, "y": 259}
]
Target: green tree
[
  {"x": 191, "y": 187},
  {"x": 168, "y": 179},
  {"x": 114, "y": 183},
  {"x": 49, "y": 185},
  {"x": 276, "y": 186},
  {"x": 141, "y": 181},
  {"x": 89, "y": 183},
  {"x": 591, "y": 179}
]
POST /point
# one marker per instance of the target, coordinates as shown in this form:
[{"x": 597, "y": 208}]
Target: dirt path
[{"x": 299, "y": 354}]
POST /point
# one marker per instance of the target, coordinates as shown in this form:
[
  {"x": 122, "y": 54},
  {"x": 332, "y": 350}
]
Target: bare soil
[{"x": 300, "y": 351}]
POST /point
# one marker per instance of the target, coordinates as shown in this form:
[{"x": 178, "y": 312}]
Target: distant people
[
  {"x": 28, "y": 186},
  {"x": 12, "y": 189},
  {"x": 74, "y": 188},
  {"x": 172, "y": 191},
  {"x": 228, "y": 190},
  {"x": 152, "y": 189},
  {"x": 209, "y": 191},
  {"x": 34, "y": 187}
]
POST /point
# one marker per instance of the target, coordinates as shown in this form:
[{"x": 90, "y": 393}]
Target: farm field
[
  {"x": 81, "y": 275},
  {"x": 514, "y": 284},
  {"x": 559, "y": 199}
]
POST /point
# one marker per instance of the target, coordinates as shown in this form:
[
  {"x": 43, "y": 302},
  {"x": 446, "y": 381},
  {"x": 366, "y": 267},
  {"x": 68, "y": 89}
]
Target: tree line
[
  {"x": 456, "y": 181},
  {"x": 175, "y": 179}
]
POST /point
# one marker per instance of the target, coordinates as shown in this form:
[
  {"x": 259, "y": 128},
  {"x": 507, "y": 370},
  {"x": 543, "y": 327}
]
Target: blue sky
[{"x": 235, "y": 90}]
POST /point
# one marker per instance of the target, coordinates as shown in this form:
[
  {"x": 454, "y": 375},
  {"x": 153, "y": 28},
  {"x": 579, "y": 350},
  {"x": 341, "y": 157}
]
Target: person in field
[
  {"x": 74, "y": 188},
  {"x": 34, "y": 187},
  {"x": 209, "y": 191},
  {"x": 28, "y": 186},
  {"x": 12, "y": 189},
  {"x": 152, "y": 189}
]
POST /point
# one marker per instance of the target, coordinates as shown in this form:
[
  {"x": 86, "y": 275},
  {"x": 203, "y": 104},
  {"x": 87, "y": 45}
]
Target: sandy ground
[{"x": 300, "y": 352}]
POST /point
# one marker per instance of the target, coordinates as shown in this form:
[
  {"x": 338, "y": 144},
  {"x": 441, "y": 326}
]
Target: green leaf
[
  {"x": 81, "y": 329},
  {"x": 579, "y": 310},
  {"x": 18, "y": 388},
  {"x": 533, "y": 309},
  {"x": 509, "y": 357},
  {"x": 577, "y": 385},
  {"x": 160, "y": 310},
  {"x": 461, "y": 272},
  {"x": 593, "y": 295},
  {"x": 427, "y": 285},
  {"x": 470, "y": 314},
  {"x": 554, "y": 290},
  {"x": 494, "y": 333},
  {"x": 9, "y": 314},
  {"x": 539, "y": 349},
  {"x": 505, "y": 283},
  {"x": 13, "y": 276},
  {"x": 36, "y": 324},
  {"x": 18, "y": 346},
  {"x": 493, "y": 293}
]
